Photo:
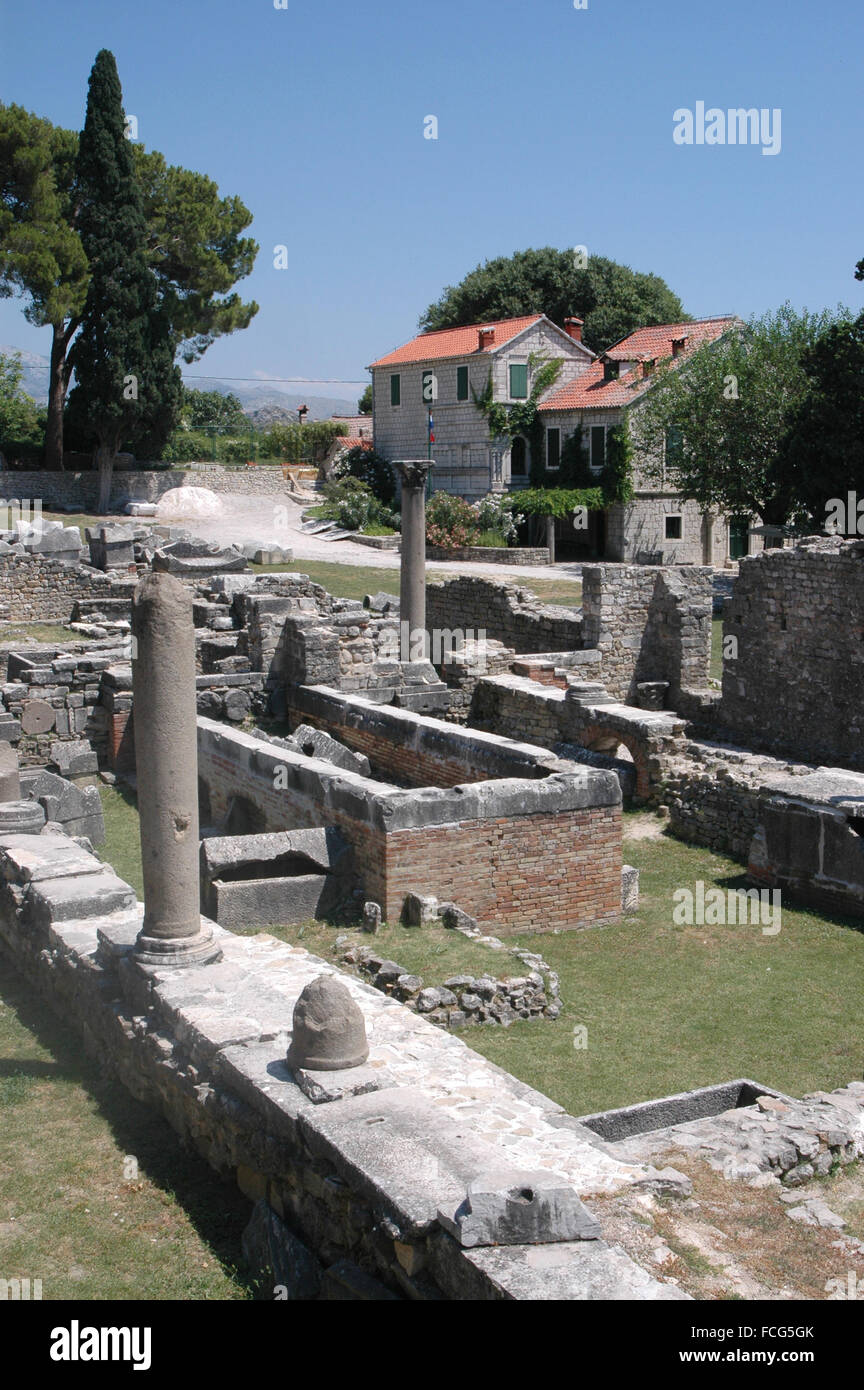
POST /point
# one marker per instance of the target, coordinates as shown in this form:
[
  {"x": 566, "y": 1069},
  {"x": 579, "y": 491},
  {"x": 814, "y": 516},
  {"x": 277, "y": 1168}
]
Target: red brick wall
[
  {"x": 524, "y": 873},
  {"x": 408, "y": 764}
]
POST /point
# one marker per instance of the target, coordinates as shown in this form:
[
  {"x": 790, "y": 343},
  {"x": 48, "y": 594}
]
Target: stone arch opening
[
  {"x": 616, "y": 743},
  {"x": 244, "y": 818}
]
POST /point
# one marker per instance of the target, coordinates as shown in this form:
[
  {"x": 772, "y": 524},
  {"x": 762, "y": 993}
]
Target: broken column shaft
[
  {"x": 166, "y": 757},
  {"x": 412, "y": 574}
]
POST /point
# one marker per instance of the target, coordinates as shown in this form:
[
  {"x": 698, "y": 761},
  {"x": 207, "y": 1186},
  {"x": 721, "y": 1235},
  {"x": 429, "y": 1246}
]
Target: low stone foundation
[
  {"x": 365, "y": 1172},
  {"x": 540, "y": 851}
]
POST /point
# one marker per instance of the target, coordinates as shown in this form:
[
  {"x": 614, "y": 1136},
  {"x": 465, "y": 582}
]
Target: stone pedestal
[
  {"x": 166, "y": 758},
  {"x": 412, "y": 582}
]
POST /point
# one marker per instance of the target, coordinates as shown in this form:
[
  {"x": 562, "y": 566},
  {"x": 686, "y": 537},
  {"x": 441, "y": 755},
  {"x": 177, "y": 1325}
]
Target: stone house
[
  {"x": 438, "y": 372},
  {"x": 657, "y": 526}
]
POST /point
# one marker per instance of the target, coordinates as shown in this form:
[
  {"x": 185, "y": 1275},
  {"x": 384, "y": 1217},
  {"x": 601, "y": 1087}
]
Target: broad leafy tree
[
  {"x": 41, "y": 255},
  {"x": 717, "y": 421},
  {"x": 823, "y": 450},
  {"x": 203, "y": 410},
  {"x": 194, "y": 244},
  {"x": 611, "y": 298}
]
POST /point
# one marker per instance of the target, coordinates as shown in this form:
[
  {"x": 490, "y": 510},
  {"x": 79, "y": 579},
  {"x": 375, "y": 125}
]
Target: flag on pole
[{"x": 431, "y": 429}]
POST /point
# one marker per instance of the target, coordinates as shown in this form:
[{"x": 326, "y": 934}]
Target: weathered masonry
[{"x": 521, "y": 841}]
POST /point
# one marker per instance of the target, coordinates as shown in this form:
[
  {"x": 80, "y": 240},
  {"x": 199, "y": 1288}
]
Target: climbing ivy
[{"x": 505, "y": 420}]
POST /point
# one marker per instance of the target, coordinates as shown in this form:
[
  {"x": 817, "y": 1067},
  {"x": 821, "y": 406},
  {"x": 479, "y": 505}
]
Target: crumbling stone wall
[
  {"x": 509, "y": 614},
  {"x": 649, "y": 624},
  {"x": 794, "y": 680},
  {"x": 35, "y": 589}
]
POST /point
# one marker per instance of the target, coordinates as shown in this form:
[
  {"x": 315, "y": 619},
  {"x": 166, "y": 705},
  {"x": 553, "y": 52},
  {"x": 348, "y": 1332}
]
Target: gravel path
[{"x": 265, "y": 522}]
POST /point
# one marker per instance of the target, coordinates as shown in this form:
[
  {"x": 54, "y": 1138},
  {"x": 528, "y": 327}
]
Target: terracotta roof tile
[
  {"x": 455, "y": 342},
  {"x": 590, "y": 391}
]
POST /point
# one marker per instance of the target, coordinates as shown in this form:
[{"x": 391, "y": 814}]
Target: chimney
[
  {"x": 486, "y": 337},
  {"x": 574, "y": 326},
  {"x": 678, "y": 345}
]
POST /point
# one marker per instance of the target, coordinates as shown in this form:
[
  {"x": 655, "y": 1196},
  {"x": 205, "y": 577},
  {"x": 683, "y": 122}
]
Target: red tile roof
[
  {"x": 455, "y": 342},
  {"x": 590, "y": 390}
]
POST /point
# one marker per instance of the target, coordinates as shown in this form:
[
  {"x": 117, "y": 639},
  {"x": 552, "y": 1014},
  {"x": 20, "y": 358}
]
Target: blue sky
[{"x": 554, "y": 128}]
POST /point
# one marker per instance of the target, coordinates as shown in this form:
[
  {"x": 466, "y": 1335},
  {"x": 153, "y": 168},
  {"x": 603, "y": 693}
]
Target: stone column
[
  {"x": 412, "y": 574},
  {"x": 550, "y": 538},
  {"x": 166, "y": 757}
]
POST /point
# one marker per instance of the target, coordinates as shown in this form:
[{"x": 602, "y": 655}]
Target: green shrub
[
  {"x": 491, "y": 539},
  {"x": 371, "y": 468},
  {"x": 496, "y": 512},
  {"x": 351, "y": 503}
]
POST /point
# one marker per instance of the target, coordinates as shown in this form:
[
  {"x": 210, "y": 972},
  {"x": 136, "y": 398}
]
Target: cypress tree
[{"x": 127, "y": 387}]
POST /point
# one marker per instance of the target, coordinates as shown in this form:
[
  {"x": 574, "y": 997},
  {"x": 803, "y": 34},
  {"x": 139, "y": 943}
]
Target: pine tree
[{"x": 127, "y": 386}]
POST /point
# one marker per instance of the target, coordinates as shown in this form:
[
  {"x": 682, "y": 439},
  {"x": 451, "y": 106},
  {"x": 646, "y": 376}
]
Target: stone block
[
  {"x": 519, "y": 1208},
  {"x": 74, "y": 759},
  {"x": 280, "y": 1262},
  {"x": 315, "y": 743},
  {"x": 629, "y": 888},
  {"x": 419, "y": 911}
]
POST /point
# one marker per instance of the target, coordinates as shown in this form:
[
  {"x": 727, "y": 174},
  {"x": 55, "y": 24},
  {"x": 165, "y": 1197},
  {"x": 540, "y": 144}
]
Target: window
[
  {"x": 461, "y": 383},
  {"x": 553, "y": 448},
  {"x": 673, "y": 528},
  {"x": 518, "y": 381},
  {"x": 674, "y": 445},
  {"x": 598, "y": 448},
  {"x": 396, "y": 389},
  {"x": 518, "y": 458}
]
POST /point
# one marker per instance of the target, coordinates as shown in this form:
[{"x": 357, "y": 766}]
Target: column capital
[{"x": 413, "y": 472}]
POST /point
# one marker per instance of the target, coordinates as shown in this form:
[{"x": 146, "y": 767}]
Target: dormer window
[{"x": 610, "y": 370}]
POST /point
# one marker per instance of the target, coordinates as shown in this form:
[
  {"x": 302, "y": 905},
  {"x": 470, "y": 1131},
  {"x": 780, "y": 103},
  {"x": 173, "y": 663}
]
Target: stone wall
[
  {"x": 521, "y": 852},
  {"x": 418, "y": 751},
  {"x": 80, "y": 491},
  {"x": 54, "y": 693},
  {"x": 356, "y": 1175},
  {"x": 649, "y": 624},
  {"x": 35, "y": 589},
  {"x": 492, "y": 555},
  {"x": 794, "y": 682},
  {"x": 509, "y": 614}
]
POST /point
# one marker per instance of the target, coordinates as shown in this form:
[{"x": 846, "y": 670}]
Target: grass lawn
[
  {"x": 666, "y": 1007},
  {"x": 353, "y": 581},
  {"x": 37, "y": 632},
  {"x": 73, "y": 1212}
]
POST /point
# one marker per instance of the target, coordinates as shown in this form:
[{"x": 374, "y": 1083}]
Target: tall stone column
[
  {"x": 166, "y": 757},
  {"x": 412, "y": 573}
]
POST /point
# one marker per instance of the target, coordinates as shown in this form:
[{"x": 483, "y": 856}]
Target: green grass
[
  {"x": 122, "y": 847},
  {"x": 434, "y": 952},
  {"x": 354, "y": 581},
  {"x": 666, "y": 1008},
  {"x": 717, "y": 649},
  {"x": 72, "y": 1213},
  {"x": 52, "y": 633}
]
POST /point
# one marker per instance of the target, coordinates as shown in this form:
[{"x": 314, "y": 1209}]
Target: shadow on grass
[{"x": 216, "y": 1209}]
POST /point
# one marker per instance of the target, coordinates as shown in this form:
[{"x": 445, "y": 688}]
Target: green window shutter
[
  {"x": 461, "y": 383},
  {"x": 598, "y": 447},
  {"x": 518, "y": 381},
  {"x": 396, "y": 389}
]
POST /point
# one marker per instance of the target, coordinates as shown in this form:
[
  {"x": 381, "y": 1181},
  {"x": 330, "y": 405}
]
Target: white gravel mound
[{"x": 188, "y": 504}]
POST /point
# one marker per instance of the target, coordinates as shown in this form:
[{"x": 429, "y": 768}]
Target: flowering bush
[
  {"x": 495, "y": 513},
  {"x": 355, "y": 507},
  {"x": 451, "y": 522}
]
